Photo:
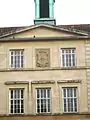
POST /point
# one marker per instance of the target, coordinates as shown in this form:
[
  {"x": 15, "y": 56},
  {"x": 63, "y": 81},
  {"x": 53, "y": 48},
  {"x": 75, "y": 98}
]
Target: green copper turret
[{"x": 44, "y": 12}]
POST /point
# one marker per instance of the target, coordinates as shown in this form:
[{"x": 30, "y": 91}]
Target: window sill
[
  {"x": 70, "y": 113},
  {"x": 43, "y": 114},
  {"x": 46, "y": 114},
  {"x": 16, "y": 114},
  {"x": 69, "y": 67}
]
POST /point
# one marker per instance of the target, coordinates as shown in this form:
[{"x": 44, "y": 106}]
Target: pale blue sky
[{"x": 21, "y": 12}]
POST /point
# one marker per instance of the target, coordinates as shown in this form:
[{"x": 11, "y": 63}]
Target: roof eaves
[
  {"x": 21, "y": 30},
  {"x": 45, "y": 25},
  {"x": 43, "y": 39},
  {"x": 74, "y": 31}
]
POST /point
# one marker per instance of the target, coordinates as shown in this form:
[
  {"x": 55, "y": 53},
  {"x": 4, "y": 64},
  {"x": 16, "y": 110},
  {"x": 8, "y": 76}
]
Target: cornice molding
[
  {"x": 43, "y": 69},
  {"x": 15, "y": 82},
  {"x": 43, "y": 82},
  {"x": 69, "y": 81}
]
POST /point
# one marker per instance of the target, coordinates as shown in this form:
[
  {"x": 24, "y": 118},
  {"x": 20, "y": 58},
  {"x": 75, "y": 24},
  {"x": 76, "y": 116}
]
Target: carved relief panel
[{"x": 42, "y": 58}]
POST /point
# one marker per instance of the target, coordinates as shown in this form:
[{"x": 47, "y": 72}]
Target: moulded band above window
[
  {"x": 69, "y": 81},
  {"x": 43, "y": 82},
  {"x": 16, "y": 82}
]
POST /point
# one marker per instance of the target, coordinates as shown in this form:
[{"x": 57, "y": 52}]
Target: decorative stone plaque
[{"x": 42, "y": 58}]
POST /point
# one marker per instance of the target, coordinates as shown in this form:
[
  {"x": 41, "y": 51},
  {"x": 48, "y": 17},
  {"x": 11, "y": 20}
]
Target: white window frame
[
  {"x": 21, "y": 65},
  {"x": 67, "y": 64},
  {"x": 74, "y": 97},
  {"x": 13, "y": 99},
  {"x": 44, "y": 98}
]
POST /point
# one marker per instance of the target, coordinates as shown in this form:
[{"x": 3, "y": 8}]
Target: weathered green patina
[{"x": 41, "y": 6}]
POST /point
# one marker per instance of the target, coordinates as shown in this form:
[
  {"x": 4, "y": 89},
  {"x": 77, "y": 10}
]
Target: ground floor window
[
  {"x": 16, "y": 101},
  {"x": 43, "y": 100},
  {"x": 69, "y": 99}
]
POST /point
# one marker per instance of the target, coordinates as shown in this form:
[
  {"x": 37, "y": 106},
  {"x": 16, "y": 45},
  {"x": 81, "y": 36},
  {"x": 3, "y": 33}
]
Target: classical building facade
[{"x": 44, "y": 70}]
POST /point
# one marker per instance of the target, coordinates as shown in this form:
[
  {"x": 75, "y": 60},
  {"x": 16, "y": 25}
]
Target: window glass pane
[
  {"x": 64, "y": 92},
  {"x": 38, "y": 106},
  {"x": 64, "y": 105},
  {"x": 66, "y": 51},
  {"x": 18, "y": 61},
  {"x": 45, "y": 93},
  {"x": 11, "y": 93},
  {"x": 69, "y": 60},
  {"x": 21, "y": 93},
  {"x": 21, "y": 103},
  {"x": 74, "y": 92},
  {"x": 62, "y": 51},
  {"x": 22, "y": 61},
  {"x": 63, "y": 60},
  {"x": 11, "y": 61},
  {"x": 38, "y": 93},
  {"x": 66, "y": 59},
  {"x": 73, "y": 59},
  {"x": 48, "y": 105},
  {"x": 75, "y": 104},
  {"x": 18, "y": 109},
  {"x": 11, "y": 53},
  {"x": 22, "y": 111},
  {"x": 22, "y": 52},
  {"x": 67, "y": 92},
  {"x": 41, "y": 93},
  {"x": 48, "y": 93},
  {"x": 11, "y": 109},
  {"x": 73, "y": 50},
  {"x": 41, "y": 105},
  {"x": 71, "y": 104}
]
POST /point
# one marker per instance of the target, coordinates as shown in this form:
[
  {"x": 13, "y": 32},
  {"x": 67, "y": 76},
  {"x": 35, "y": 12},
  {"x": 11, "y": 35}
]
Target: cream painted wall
[
  {"x": 29, "y": 52},
  {"x": 55, "y": 88},
  {"x": 53, "y": 73}
]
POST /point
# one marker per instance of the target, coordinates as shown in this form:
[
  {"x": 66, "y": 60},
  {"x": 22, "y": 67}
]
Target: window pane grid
[
  {"x": 16, "y": 58},
  {"x": 16, "y": 101},
  {"x": 69, "y": 100},
  {"x": 68, "y": 57},
  {"x": 43, "y": 101}
]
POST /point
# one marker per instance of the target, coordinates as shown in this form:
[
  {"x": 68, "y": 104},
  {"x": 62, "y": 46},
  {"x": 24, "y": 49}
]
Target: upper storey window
[
  {"x": 68, "y": 57},
  {"x": 44, "y": 8},
  {"x": 16, "y": 58}
]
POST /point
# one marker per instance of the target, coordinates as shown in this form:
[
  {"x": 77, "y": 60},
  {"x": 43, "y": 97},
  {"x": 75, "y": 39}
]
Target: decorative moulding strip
[
  {"x": 16, "y": 82},
  {"x": 43, "y": 69},
  {"x": 43, "y": 82},
  {"x": 69, "y": 81}
]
